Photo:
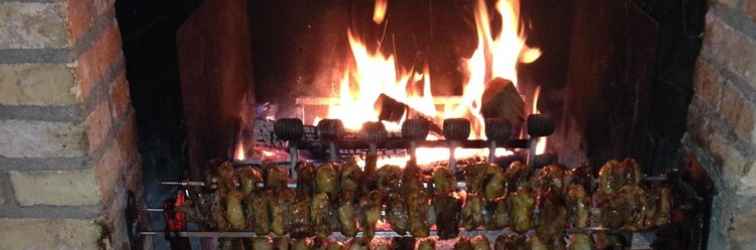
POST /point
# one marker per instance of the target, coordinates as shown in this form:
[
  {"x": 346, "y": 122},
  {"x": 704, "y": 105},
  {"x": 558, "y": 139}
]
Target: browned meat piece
[
  {"x": 536, "y": 243},
  {"x": 632, "y": 171},
  {"x": 299, "y": 222},
  {"x": 262, "y": 243},
  {"x": 234, "y": 211},
  {"x": 463, "y": 244},
  {"x": 389, "y": 178},
  {"x": 495, "y": 183},
  {"x": 372, "y": 205},
  {"x": 257, "y": 211},
  {"x": 281, "y": 243},
  {"x": 426, "y": 244},
  {"x": 511, "y": 242},
  {"x": 665, "y": 206},
  {"x": 280, "y": 209},
  {"x": 580, "y": 241},
  {"x": 630, "y": 200},
  {"x": 351, "y": 177},
  {"x": 480, "y": 242},
  {"x": 521, "y": 203},
  {"x": 549, "y": 177},
  {"x": 347, "y": 218},
  {"x": 472, "y": 212},
  {"x": 305, "y": 178},
  {"x": 319, "y": 215},
  {"x": 249, "y": 178},
  {"x": 517, "y": 175},
  {"x": 227, "y": 180},
  {"x": 552, "y": 218},
  {"x": 218, "y": 212},
  {"x": 443, "y": 181},
  {"x": 277, "y": 178},
  {"x": 501, "y": 217},
  {"x": 447, "y": 209},
  {"x": 396, "y": 213},
  {"x": 418, "y": 205},
  {"x": 612, "y": 177},
  {"x": 326, "y": 179},
  {"x": 579, "y": 206},
  {"x": 581, "y": 175},
  {"x": 475, "y": 177}
]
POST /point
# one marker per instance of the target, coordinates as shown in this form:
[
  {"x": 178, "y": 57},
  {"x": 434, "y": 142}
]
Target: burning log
[
  {"x": 393, "y": 110},
  {"x": 501, "y": 100}
]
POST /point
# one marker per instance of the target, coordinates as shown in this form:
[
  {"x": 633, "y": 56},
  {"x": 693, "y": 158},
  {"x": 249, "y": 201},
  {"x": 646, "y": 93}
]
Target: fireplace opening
[{"x": 558, "y": 88}]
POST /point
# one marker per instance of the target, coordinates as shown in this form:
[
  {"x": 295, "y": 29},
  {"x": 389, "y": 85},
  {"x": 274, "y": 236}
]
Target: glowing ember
[
  {"x": 379, "y": 12},
  {"x": 373, "y": 73},
  {"x": 239, "y": 151}
]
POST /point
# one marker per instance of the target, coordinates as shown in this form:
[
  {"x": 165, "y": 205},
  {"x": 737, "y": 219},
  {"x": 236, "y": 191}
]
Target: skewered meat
[
  {"x": 277, "y": 178},
  {"x": 472, "y": 212},
  {"x": 480, "y": 242},
  {"x": 417, "y": 212},
  {"x": 475, "y": 177},
  {"x": 371, "y": 212},
  {"x": 279, "y": 210},
  {"x": 426, "y": 244},
  {"x": 521, "y": 203},
  {"x": 630, "y": 200},
  {"x": 249, "y": 178},
  {"x": 579, "y": 206},
  {"x": 257, "y": 209},
  {"x": 381, "y": 244},
  {"x": 226, "y": 178},
  {"x": 299, "y": 223},
  {"x": 234, "y": 211},
  {"x": 412, "y": 179},
  {"x": 632, "y": 171},
  {"x": 396, "y": 214},
  {"x": 665, "y": 206},
  {"x": 511, "y": 242},
  {"x": 443, "y": 181},
  {"x": 611, "y": 177},
  {"x": 501, "y": 217},
  {"x": 447, "y": 211},
  {"x": 326, "y": 179},
  {"x": 319, "y": 214},
  {"x": 305, "y": 178},
  {"x": 300, "y": 244},
  {"x": 262, "y": 243},
  {"x": 536, "y": 243},
  {"x": 552, "y": 218},
  {"x": 549, "y": 177},
  {"x": 580, "y": 175},
  {"x": 389, "y": 178},
  {"x": 281, "y": 243},
  {"x": 579, "y": 241},
  {"x": 347, "y": 218},
  {"x": 351, "y": 177},
  {"x": 218, "y": 212},
  {"x": 463, "y": 244},
  {"x": 517, "y": 175},
  {"x": 357, "y": 244},
  {"x": 495, "y": 186}
]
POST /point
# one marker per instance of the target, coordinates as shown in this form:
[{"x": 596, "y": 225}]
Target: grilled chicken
[
  {"x": 517, "y": 175},
  {"x": 472, "y": 212},
  {"x": 580, "y": 241},
  {"x": 389, "y": 178},
  {"x": 280, "y": 211},
  {"x": 521, "y": 205},
  {"x": 396, "y": 213},
  {"x": 306, "y": 178},
  {"x": 299, "y": 223},
  {"x": 249, "y": 178},
  {"x": 447, "y": 209},
  {"x": 579, "y": 206},
  {"x": 234, "y": 211},
  {"x": 426, "y": 244},
  {"x": 319, "y": 215},
  {"x": 552, "y": 218},
  {"x": 443, "y": 181},
  {"x": 480, "y": 242},
  {"x": 257, "y": 209},
  {"x": 326, "y": 179},
  {"x": 511, "y": 242},
  {"x": 463, "y": 243},
  {"x": 372, "y": 205}
]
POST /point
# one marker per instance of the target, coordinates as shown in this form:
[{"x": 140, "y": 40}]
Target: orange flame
[
  {"x": 375, "y": 73},
  {"x": 379, "y": 11},
  {"x": 239, "y": 153},
  {"x": 541, "y": 143}
]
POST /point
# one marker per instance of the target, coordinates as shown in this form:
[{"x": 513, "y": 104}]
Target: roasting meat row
[{"x": 410, "y": 201}]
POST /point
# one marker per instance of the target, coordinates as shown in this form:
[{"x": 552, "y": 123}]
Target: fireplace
[{"x": 576, "y": 84}]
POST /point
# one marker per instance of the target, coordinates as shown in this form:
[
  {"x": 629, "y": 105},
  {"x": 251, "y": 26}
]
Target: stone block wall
[
  {"x": 721, "y": 132},
  {"x": 68, "y": 156}
]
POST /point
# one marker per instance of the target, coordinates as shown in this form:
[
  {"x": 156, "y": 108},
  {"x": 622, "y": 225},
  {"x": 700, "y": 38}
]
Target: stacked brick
[
  {"x": 68, "y": 156},
  {"x": 721, "y": 132}
]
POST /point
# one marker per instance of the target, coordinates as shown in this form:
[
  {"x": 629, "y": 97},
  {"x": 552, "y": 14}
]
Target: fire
[
  {"x": 373, "y": 73},
  {"x": 541, "y": 144},
  {"x": 239, "y": 151},
  {"x": 379, "y": 12}
]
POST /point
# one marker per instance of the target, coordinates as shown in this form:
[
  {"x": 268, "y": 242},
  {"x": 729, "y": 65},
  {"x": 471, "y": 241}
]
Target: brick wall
[
  {"x": 68, "y": 157},
  {"x": 721, "y": 133}
]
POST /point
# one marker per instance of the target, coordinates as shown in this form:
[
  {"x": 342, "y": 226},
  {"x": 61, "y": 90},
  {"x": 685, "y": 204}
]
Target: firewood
[{"x": 501, "y": 100}]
